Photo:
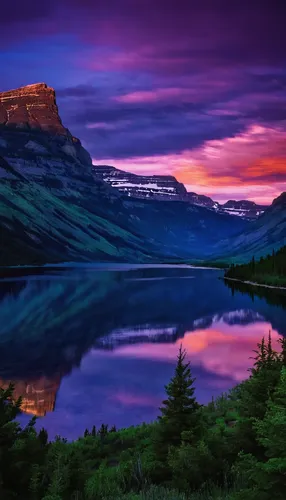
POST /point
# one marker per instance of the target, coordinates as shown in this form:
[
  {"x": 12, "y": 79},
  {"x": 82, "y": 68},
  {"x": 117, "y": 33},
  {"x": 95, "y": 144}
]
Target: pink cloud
[
  {"x": 108, "y": 126},
  {"x": 241, "y": 165},
  {"x": 134, "y": 400},
  {"x": 222, "y": 349},
  {"x": 194, "y": 88}
]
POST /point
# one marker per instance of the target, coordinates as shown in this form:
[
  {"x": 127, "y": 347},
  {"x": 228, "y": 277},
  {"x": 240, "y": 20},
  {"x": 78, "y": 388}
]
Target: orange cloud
[
  {"x": 236, "y": 167},
  {"x": 266, "y": 167}
]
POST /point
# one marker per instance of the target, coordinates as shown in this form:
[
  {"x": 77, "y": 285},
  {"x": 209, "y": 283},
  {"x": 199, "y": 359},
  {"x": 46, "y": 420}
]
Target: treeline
[
  {"x": 234, "y": 448},
  {"x": 269, "y": 270}
]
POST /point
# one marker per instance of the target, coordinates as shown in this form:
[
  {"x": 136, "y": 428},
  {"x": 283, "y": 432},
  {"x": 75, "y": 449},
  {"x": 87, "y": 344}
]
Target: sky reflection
[{"x": 125, "y": 386}]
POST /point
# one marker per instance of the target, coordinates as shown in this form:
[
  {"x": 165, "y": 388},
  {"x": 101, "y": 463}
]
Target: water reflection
[{"x": 100, "y": 346}]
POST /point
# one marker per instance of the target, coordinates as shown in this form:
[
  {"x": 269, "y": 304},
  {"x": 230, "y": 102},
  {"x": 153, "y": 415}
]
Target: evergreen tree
[
  {"x": 265, "y": 357},
  {"x": 43, "y": 436},
  {"x": 103, "y": 431},
  {"x": 93, "y": 432},
  {"x": 253, "y": 264},
  {"x": 282, "y": 341},
  {"x": 271, "y": 434},
  {"x": 113, "y": 429},
  {"x": 86, "y": 433},
  {"x": 260, "y": 358},
  {"x": 179, "y": 412}
]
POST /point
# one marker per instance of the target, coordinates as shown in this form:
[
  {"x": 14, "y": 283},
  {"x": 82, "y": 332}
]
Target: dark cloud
[{"x": 78, "y": 91}]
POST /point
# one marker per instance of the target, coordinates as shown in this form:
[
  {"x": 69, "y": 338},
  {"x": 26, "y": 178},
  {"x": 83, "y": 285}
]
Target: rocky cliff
[
  {"x": 31, "y": 108},
  {"x": 156, "y": 187}
]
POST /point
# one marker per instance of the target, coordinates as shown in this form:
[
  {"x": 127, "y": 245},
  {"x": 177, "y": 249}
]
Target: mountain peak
[{"x": 31, "y": 107}]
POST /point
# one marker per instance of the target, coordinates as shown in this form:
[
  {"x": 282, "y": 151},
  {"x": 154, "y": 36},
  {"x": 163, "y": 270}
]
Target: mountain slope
[
  {"x": 260, "y": 237},
  {"x": 53, "y": 208}
]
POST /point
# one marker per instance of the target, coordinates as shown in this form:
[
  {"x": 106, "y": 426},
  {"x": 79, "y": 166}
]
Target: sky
[{"x": 196, "y": 89}]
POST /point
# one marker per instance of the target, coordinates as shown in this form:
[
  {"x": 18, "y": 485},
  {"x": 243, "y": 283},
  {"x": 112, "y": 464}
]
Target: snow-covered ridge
[
  {"x": 141, "y": 186},
  {"x": 166, "y": 187}
]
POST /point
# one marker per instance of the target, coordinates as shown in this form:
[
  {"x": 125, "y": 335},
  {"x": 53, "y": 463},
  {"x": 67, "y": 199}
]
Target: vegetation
[
  {"x": 234, "y": 448},
  {"x": 269, "y": 270}
]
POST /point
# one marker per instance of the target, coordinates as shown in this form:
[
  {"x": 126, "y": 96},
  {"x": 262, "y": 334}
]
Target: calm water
[{"x": 90, "y": 344}]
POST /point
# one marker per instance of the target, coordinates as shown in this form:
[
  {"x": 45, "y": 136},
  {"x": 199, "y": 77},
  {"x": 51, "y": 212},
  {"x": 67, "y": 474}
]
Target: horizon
[{"x": 163, "y": 89}]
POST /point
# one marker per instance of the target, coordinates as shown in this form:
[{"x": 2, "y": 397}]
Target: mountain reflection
[
  {"x": 38, "y": 395},
  {"x": 102, "y": 344}
]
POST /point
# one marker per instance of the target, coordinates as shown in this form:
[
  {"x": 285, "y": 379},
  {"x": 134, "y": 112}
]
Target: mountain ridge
[
  {"x": 167, "y": 187},
  {"x": 262, "y": 236},
  {"x": 54, "y": 209}
]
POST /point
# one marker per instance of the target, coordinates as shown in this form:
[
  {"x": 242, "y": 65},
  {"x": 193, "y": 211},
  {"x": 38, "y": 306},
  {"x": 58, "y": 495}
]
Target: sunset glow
[
  {"x": 193, "y": 91},
  {"x": 221, "y": 349}
]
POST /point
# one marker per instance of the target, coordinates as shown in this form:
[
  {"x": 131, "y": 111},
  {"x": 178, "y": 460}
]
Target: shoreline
[{"x": 255, "y": 284}]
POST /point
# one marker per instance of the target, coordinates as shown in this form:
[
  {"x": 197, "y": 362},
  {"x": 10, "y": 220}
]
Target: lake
[{"x": 86, "y": 344}]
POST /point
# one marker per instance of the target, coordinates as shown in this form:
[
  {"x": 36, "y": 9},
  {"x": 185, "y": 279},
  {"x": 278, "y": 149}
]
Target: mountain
[
  {"x": 38, "y": 394},
  {"x": 166, "y": 187},
  {"x": 244, "y": 208},
  {"x": 203, "y": 201},
  {"x": 260, "y": 237},
  {"x": 156, "y": 187},
  {"x": 53, "y": 207}
]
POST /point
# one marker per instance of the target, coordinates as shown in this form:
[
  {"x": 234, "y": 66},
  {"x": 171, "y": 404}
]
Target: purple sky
[{"x": 192, "y": 88}]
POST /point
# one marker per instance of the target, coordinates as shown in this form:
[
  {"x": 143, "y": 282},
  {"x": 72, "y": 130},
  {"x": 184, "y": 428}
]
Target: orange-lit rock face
[
  {"x": 31, "y": 107},
  {"x": 38, "y": 396}
]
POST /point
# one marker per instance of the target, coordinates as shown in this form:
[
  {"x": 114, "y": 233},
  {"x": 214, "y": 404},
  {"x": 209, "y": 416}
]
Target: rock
[
  {"x": 156, "y": 187},
  {"x": 31, "y": 107}
]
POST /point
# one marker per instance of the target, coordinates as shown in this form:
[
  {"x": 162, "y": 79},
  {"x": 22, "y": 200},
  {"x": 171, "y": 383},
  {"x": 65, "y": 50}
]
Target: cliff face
[
  {"x": 156, "y": 187},
  {"x": 31, "y": 108},
  {"x": 34, "y": 141}
]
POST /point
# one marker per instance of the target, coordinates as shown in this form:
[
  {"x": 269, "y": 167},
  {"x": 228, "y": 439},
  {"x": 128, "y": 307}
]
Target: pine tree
[
  {"x": 103, "y": 431},
  {"x": 86, "y": 433},
  {"x": 271, "y": 433},
  {"x": 282, "y": 356},
  {"x": 43, "y": 436},
  {"x": 113, "y": 429},
  {"x": 253, "y": 264},
  {"x": 179, "y": 411},
  {"x": 265, "y": 357},
  {"x": 93, "y": 432},
  {"x": 271, "y": 355},
  {"x": 260, "y": 358}
]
